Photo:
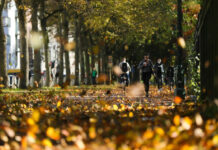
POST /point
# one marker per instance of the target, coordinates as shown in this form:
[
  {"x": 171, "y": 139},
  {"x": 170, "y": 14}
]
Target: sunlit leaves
[
  {"x": 92, "y": 132},
  {"x": 177, "y": 100},
  {"x": 181, "y": 42},
  {"x": 148, "y": 134},
  {"x": 53, "y": 133},
  {"x": 47, "y": 143},
  {"x": 186, "y": 123},
  {"x": 57, "y": 120},
  {"x": 198, "y": 119},
  {"x": 176, "y": 120},
  {"x": 70, "y": 46}
]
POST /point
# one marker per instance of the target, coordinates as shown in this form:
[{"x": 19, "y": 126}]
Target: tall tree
[
  {"x": 43, "y": 21},
  {"x": 3, "y": 63},
  {"x": 23, "y": 44},
  {"x": 207, "y": 37},
  {"x": 37, "y": 54},
  {"x": 77, "y": 50},
  {"x": 61, "y": 54},
  {"x": 67, "y": 59},
  {"x": 82, "y": 60}
]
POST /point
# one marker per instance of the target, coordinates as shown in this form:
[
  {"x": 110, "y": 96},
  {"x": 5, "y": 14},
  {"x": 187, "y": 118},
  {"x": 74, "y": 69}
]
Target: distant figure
[
  {"x": 146, "y": 66},
  {"x": 57, "y": 74},
  {"x": 94, "y": 75},
  {"x": 159, "y": 72},
  {"x": 170, "y": 77},
  {"x": 125, "y": 67}
]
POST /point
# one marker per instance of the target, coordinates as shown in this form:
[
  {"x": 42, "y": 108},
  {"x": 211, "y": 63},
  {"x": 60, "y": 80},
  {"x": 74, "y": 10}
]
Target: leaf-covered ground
[{"x": 102, "y": 118}]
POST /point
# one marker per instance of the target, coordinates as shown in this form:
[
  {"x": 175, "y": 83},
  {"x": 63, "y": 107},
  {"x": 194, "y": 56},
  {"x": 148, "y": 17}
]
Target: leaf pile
[{"x": 102, "y": 119}]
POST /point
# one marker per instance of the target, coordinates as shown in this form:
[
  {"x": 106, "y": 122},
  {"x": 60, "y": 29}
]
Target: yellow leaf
[
  {"x": 115, "y": 107},
  {"x": 176, "y": 120},
  {"x": 46, "y": 142},
  {"x": 53, "y": 133},
  {"x": 92, "y": 133},
  {"x": 181, "y": 42},
  {"x": 58, "y": 104},
  {"x": 186, "y": 123},
  {"x": 24, "y": 142},
  {"x": 148, "y": 134},
  {"x": 215, "y": 140},
  {"x": 131, "y": 114},
  {"x": 92, "y": 120},
  {"x": 159, "y": 131},
  {"x": 36, "y": 115},
  {"x": 30, "y": 121}
]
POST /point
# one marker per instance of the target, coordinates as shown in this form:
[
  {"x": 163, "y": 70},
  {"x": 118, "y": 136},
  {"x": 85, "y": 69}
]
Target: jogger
[{"x": 146, "y": 66}]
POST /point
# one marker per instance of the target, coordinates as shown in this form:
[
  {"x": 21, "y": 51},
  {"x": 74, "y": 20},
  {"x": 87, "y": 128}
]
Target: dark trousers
[
  {"x": 93, "y": 80},
  {"x": 146, "y": 76},
  {"x": 159, "y": 82},
  {"x": 170, "y": 82}
]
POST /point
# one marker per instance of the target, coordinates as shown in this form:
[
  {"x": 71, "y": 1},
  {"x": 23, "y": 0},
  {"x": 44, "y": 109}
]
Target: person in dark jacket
[
  {"x": 146, "y": 66},
  {"x": 94, "y": 75},
  {"x": 159, "y": 72},
  {"x": 170, "y": 77}
]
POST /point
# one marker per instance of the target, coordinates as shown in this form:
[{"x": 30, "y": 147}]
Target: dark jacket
[
  {"x": 159, "y": 70},
  {"x": 170, "y": 72},
  {"x": 147, "y": 68}
]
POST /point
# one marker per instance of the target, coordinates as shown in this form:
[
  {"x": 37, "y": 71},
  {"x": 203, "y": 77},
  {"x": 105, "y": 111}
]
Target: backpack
[
  {"x": 124, "y": 67},
  {"x": 158, "y": 70}
]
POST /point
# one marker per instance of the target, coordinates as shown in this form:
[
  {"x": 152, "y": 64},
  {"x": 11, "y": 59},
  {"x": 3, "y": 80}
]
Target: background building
[{"x": 11, "y": 30}]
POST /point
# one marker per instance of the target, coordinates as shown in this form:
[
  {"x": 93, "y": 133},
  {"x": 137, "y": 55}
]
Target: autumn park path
[
  {"x": 111, "y": 95},
  {"x": 165, "y": 98}
]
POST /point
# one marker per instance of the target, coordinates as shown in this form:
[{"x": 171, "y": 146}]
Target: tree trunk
[
  {"x": 61, "y": 59},
  {"x": 3, "y": 62},
  {"x": 37, "y": 54},
  {"x": 208, "y": 45},
  {"x": 99, "y": 62},
  {"x": 88, "y": 67},
  {"x": 77, "y": 35},
  {"x": 180, "y": 91},
  {"x": 93, "y": 60},
  {"x": 67, "y": 59},
  {"x": 82, "y": 64},
  {"x": 23, "y": 45},
  {"x": 46, "y": 41}
]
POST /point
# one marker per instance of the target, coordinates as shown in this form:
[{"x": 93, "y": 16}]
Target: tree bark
[
  {"x": 82, "y": 66},
  {"x": 61, "y": 59},
  {"x": 77, "y": 35},
  {"x": 87, "y": 58},
  {"x": 99, "y": 62},
  {"x": 23, "y": 45},
  {"x": 46, "y": 41},
  {"x": 3, "y": 62},
  {"x": 37, "y": 54},
  {"x": 67, "y": 59},
  {"x": 208, "y": 45}
]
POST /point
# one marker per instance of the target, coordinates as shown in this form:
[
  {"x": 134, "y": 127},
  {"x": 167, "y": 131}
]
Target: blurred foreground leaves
[{"x": 66, "y": 120}]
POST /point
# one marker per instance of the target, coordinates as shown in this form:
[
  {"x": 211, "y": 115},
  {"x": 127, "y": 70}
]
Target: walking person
[
  {"x": 125, "y": 67},
  {"x": 94, "y": 75},
  {"x": 170, "y": 77},
  {"x": 159, "y": 73},
  {"x": 146, "y": 66}
]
